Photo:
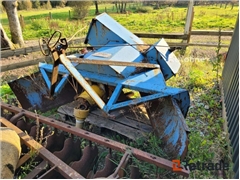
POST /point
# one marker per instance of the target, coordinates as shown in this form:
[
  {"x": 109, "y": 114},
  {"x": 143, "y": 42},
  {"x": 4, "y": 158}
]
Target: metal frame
[{"x": 133, "y": 82}]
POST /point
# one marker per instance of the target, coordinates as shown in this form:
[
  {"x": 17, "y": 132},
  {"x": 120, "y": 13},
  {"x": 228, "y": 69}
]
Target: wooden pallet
[{"x": 133, "y": 124}]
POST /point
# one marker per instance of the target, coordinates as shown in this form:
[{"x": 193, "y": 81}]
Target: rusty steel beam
[
  {"x": 47, "y": 173},
  {"x": 22, "y": 160},
  {"x": 62, "y": 168},
  {"x": 38, "y": 169},
  {"x": 139, "y": 154},
  {"x": 119, "y": 172}
]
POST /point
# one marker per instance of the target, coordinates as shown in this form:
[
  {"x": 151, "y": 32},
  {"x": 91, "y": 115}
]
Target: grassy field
[
  {"x": 170, "y": 19},
  {"x": 207, "y": 139}
]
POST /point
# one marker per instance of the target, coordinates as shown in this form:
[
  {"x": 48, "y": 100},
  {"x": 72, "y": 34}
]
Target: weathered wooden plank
[
  {"x": 127, "y": 125},
  {"x": 31, "y": 49},
  {"x": 17, "y": 52},
  {"x": 23, "y": 64},
  {"x": 211, "y": 33},
  {"x": 127, "y": 131},
  {"x": 166, "y": 36},
  {"x": 184, "y": 36},
  {"x": 39, "y": 168},
  {"x": 176, "y": 44}
]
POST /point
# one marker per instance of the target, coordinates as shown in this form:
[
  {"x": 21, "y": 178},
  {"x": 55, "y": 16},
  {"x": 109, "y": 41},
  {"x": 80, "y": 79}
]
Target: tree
[
  {"x": 96, "y": 6},
  {"x": 5, "y": 41},
  {"x": 14, "y": 24},
  {"x": 48, "y": 5},
  {"x": 121, "y": 6}
]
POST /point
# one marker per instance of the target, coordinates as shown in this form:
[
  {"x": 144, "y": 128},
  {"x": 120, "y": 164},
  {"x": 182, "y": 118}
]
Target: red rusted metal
[
  {"x": 139, "y": 154},
  {"x": 53, "y": 145},
  {"x": 135, "y": 174},
  {"x": 85, "y": 164},
  {"x": 62, "y": 168},
  {"x": 38, "y": 169},
  {"x": 119, "y": 172},
  {"x": 108, "y": 168},
  {"x": 46, "y": 174},
  {"x": 22, "y": 160},
  {"x": 71, "y": 151}
]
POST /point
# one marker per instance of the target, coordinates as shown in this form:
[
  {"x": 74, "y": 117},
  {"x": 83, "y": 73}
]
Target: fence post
[
  {"x": 50, "y": 15},
  {"x": 22, "y": 23},
  {"x": 188, "y": 24},
  {"x": 69, "y": 14}
]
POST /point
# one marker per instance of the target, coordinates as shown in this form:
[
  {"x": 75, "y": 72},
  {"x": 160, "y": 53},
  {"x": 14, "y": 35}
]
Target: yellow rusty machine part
[
  {"x": 81, "y": 114},
  {"x": 98, "y": 89}
]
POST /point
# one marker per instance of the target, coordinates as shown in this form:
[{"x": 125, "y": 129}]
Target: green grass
[
  {"x": 6, "y": 94},
  {"x": 207, "y": 138},
  {"x": 170, "y": 19}
]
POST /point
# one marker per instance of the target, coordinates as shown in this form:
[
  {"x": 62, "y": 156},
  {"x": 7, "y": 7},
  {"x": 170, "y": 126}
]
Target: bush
[
  {"x": 197, "y": 78},
  {"x": 56, "y": 4},
  {"x": 144, "y": 9},
  {"x": 80, "y": 8},
  {"x": 24, "y": 5},
  {"x": 47, "y": 5},
  {"x": 36, "y": 4},
  {"x": 39, "y": 24}
]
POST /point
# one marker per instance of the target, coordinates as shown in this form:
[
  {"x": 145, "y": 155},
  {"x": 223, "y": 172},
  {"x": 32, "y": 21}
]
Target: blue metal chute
[
  {"x": 167, "y": 60},
  {"x": 121, "y": 60},
  {"x": 103, "y": 29}
]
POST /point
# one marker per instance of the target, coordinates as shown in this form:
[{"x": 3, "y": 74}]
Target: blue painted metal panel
[
  {"x": 183, "y": 101},
  {"x": 33, "y": 93},
  {"x": 149, "y": 82},
  {"x": 113, "y": 99},
  {"x": 169, "y": 124},
  {"x": 167, "y": 60},
  {"x": 116, "y": 53},
  {"x": 103, "y": 29},
  {"x": 61, "y": 84},
  {"x": 45, "y": 77},
  {"x": 145, "y": 99}
]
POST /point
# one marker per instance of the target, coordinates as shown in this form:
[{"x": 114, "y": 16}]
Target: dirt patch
[
  {"x": 204, "y": 51},
  {"x": 16, "y": 73}
]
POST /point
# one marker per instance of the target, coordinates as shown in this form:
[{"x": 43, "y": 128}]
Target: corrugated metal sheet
[{"x": 230, "y": 77}]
